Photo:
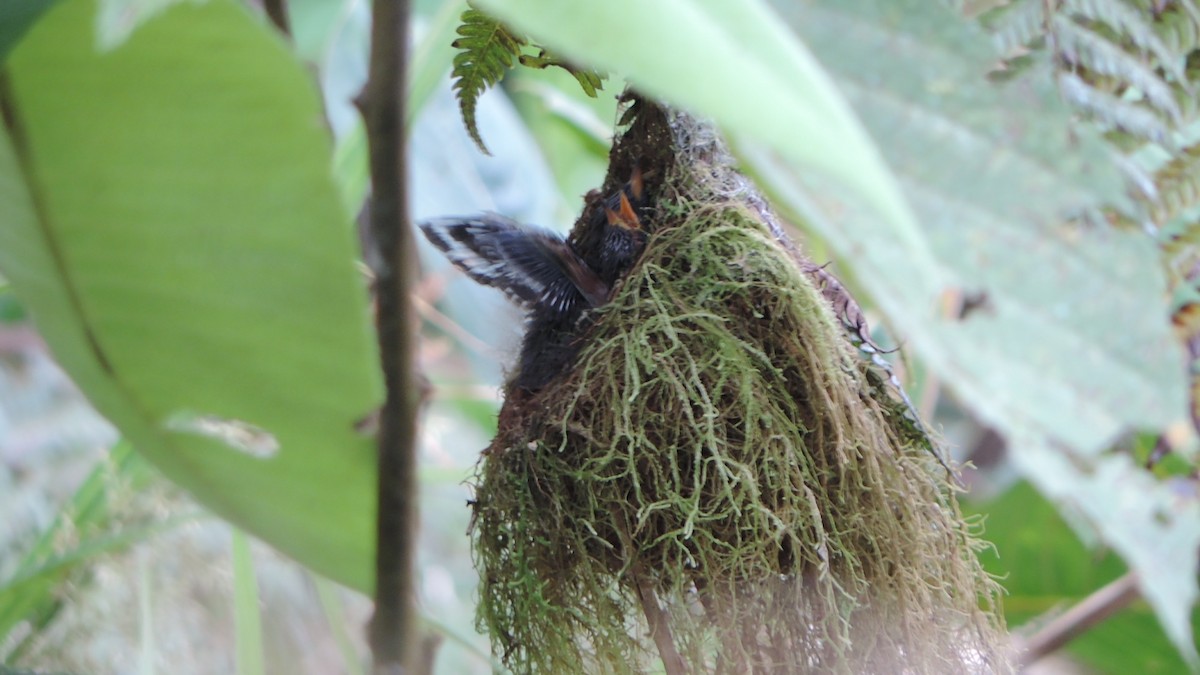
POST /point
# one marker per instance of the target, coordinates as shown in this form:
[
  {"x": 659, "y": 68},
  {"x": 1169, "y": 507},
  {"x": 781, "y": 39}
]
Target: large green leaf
[
  {"x": 1072, "y": 344},
  {"x": 1046, "y": 569},
  {"x": 992, "y": 172},
  {"x": 1154, "y": 526},
  {"x": 167, "y": 214}
]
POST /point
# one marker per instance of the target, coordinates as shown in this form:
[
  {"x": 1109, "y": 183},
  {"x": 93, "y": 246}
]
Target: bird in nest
[{"x": 555, "y": 280}]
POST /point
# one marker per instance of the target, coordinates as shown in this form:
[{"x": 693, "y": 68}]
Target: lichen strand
[{"x": 717, "y": 439}]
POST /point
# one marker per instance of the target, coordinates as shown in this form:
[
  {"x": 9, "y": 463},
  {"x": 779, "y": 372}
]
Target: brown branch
[
  {"x": 392, "y": 631},
  {"x": 659, "y": 622},
  {"x": 1075, "y": 621},
  {"x": 656, "y": 617},
  {"x": 277, "y": 12}
]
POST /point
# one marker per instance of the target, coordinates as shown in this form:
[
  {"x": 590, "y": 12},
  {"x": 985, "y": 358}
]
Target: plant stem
[
  {"x": 1074, "y": 622},
  {"x": 392, "y": 628},
  {"x": 656, "y": 618}
]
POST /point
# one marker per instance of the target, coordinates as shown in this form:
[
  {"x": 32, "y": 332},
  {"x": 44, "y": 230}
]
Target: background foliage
[{"x": 178, "y": 237}]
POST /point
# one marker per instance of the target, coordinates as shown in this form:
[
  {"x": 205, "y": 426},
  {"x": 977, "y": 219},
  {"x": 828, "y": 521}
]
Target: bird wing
[{"x": 533, "y": 266}]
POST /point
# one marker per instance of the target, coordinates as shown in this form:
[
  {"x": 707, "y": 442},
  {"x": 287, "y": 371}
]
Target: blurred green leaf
[
  {"x": 993, "y": 173},
  {"x": 16, "y": 18},
  {"x": 1073, "y": 345},
  {"x": 1153, "y": 524},
  {"x": 147, "y": 641},
  {"x": 465, "y": 642},
  {"x": 331, "y": 607},
  {"x": 247, "y": 618},
  {"x": 11, "y": 310},
  {"x": 175, "y": 234},
  {"x": 87, "y": 526},
  {"x": 430, "y": 64},
  {"x": 572, "y": 129},
  {"x": 34, "y": 593},
  {"x": 478, "y": 411},
  {"x": 116, "y": 20},
  {"x": 1045, "y": 569},
  {"x": 314, "y": 25}
]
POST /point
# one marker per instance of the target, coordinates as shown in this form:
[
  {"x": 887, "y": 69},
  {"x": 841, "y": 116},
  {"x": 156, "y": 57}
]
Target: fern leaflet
[
  {"x": 488, "y": 50},
  {"x": 589, "y": 80},
  {"x": 1178, "y": 185}
]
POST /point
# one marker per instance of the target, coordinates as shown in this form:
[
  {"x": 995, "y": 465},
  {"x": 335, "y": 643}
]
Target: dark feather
[
  {"x": 556, "y": 281},
  {"x": 533, "y": 266}
]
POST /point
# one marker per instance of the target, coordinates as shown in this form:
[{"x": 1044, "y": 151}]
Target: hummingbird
[{"x": 555, "y": 280}]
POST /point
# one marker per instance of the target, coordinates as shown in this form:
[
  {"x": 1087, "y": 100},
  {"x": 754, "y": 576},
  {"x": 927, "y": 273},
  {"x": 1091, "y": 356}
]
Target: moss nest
[{"x": 717, "y": 485}]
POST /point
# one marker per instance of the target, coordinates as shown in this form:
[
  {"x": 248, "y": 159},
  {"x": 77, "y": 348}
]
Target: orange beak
[{"x": 625, "y": 217}]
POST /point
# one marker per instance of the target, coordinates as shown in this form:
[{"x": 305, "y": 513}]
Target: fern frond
[
  {"x": 1189, "y": 6},
  {"x": 1178, "y": 28},
  {"x": 1189, "y": 105},
  {"x": 1178, "y": 186},
  {"x": 1179, "y": 242},
  {"x": 1112, "y": 111},
  {"x": 1083, "y": 47},
  {"x": 488, "y": 50},
  {"x": 1132, "y": 24},
  {"x": 1016, "y": 25},
  {"x": 1185, "y": 319}
]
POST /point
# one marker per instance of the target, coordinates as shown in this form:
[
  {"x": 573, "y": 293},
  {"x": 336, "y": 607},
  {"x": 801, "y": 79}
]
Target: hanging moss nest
[{"x": 719, "y": 483}]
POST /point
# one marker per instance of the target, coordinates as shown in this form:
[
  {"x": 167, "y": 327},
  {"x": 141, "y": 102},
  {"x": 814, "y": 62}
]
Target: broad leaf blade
[
  {"x": 1154, "y": 526},
  {"x": 188, "y": 260},
  {"x": 993, "y": 175},
  {"x": 1073, "y": 345},
  {"x": 1046, "y": 569}
]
